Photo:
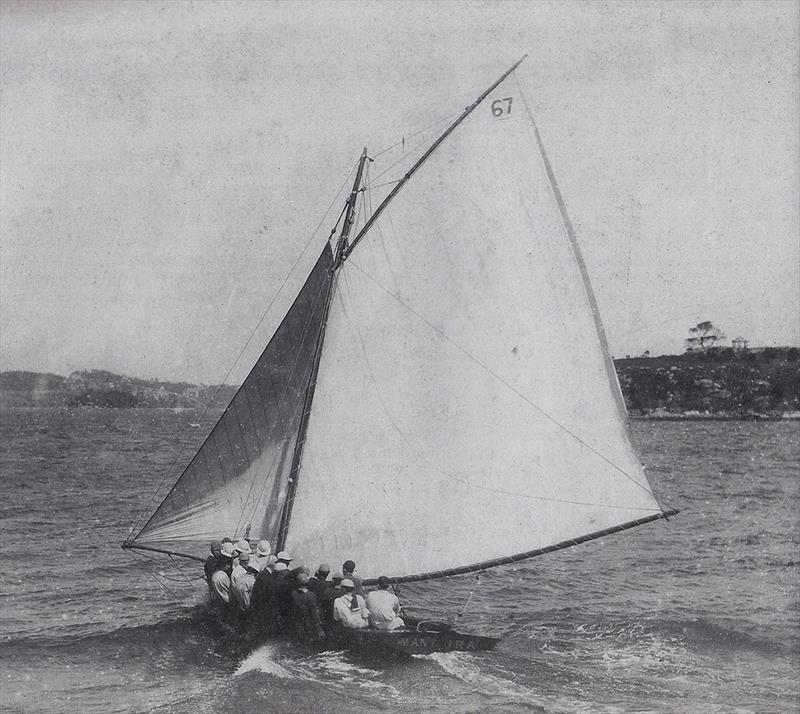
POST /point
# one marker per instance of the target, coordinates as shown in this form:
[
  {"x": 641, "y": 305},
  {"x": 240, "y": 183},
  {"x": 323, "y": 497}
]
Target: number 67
[{"x": 497, "y": 107}]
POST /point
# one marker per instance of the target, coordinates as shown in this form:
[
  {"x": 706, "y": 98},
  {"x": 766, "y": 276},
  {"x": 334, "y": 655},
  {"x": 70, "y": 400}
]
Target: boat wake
[
  {"x": 265, "y": 660},
  {"x": 472, "y": 670},
  {"x": 332, "y": 668}
]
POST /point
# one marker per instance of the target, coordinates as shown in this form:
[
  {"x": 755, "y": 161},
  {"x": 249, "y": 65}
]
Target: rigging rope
[
  {"x": 436, "y": 123},
  {"x": 485, "y": 367},
  {"x": 149, "y": 572},
  {"x": 410, "y": 153}
]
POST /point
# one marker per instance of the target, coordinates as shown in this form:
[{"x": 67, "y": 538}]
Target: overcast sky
[{"x": 164, "y": 164}]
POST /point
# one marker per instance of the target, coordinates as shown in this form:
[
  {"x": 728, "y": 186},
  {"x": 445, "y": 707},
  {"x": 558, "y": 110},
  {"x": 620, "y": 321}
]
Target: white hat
[
  {"x": 263, "y": 547},
  {"x": 227, "y": 549},
  {"x": 242, "y": 546},
  {"x": 283, "y": 555},
  {"x": 278, "y": 567},
  {"x": 347, "y": 583}
]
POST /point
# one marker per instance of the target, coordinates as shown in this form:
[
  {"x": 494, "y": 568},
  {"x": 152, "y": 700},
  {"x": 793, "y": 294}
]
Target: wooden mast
[{"x": 297, "y": 458}]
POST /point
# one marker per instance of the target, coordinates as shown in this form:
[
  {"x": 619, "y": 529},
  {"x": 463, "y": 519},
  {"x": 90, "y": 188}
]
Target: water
[{"x": 700, "y": 614}]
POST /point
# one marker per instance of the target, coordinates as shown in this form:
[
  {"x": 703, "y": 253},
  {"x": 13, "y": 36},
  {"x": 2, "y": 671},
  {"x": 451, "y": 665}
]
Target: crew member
[
  {"x": 348, "y": 567},
  {"x": 242, "y": 584},
  {"x": 261, "y": 559},
  {"x": 329, "y": 596},
  {"x": 211, "y": 562},
  {"x": 319, "y": 583},
  {"x": 350, "y": 609},
  {"x": 384, "y": 607},
  {"x": 305, "y": 611},
  {"x": 221, "y": 578}
]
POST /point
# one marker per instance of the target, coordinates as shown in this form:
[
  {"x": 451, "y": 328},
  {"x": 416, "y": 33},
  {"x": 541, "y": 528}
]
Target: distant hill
[
  {"x": 99, "y": 388},
  {"x": 719, "y": 382}
]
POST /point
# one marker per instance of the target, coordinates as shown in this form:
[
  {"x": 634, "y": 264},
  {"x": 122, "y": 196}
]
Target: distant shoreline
[
  {"x": 719, "y": 384},
  {"x": 714, "y": 417}
]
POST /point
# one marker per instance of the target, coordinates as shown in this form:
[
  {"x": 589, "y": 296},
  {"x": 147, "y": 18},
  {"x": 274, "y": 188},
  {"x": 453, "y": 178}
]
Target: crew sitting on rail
[
  {"x": 220, "y": 579},
  {"x": 320, "y": 583},
  {"x": 384, "y": 607},
  {"x": 281, "y": 592},
  {"x": 240, "y": 548},
  {"x": 348, "y": 567},
  {"x": 305, "y": 611},
  {"x": 242, "y": 582},
  {"x": 329, "y": 595},
  {"x": 261, "y": 559},
  {"x": 350, "y": 610},
  {"x": 211, "y": 561}
]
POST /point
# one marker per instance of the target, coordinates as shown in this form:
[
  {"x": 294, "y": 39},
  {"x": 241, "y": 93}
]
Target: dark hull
[
  {"x": 409, "y": 641},
  {"x": 418, "y": 637}
]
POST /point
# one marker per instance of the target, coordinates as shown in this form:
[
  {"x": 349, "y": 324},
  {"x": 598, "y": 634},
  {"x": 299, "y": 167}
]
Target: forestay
[
  {"x": 465, "y": 408},
  {"x": 237, "y": 480}
]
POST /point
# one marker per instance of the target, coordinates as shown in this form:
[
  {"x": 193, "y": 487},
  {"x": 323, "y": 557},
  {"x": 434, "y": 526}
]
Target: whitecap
[{"x": 263, "y": 660}]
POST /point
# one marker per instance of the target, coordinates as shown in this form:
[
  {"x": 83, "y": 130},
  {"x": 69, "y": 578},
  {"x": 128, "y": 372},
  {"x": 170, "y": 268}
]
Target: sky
[{"x": 163, "y": 166}]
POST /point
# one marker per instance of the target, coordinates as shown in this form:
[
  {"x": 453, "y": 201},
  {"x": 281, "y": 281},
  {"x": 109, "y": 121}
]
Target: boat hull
[
  {"x": 418, "y": 637},
  {"x": 412, "y": 642}
]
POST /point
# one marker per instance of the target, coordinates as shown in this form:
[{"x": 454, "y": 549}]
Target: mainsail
[{"x": 465, "y": 409}]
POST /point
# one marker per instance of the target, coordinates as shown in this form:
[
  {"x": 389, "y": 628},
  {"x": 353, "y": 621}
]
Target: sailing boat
[{"x": 439, "y": 398}]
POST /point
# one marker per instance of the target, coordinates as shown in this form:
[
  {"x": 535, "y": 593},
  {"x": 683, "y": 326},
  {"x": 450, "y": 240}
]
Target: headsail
[
  {"x": 464, "y": 410},
  {"x": 237, "y": 480}
]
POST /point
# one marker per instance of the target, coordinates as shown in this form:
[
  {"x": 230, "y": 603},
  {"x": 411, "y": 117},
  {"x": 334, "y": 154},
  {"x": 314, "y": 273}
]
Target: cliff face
[{"x": 718, "y": 382}]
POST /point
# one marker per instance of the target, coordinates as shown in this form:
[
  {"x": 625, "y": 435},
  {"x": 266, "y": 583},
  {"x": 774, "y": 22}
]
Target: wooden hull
[
  {"x": 419, "y": 637},
  {"x": 411, "y": 642}
]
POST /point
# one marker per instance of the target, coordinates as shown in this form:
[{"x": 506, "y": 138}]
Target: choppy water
[{"x": 700, "y": 614}]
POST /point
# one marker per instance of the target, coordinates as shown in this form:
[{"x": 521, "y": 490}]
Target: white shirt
[
  {"x": 221, "y": 585},
  {"x": 354, "y": 619},
  {"x": 259, "y": 562},
  {"x": 384, "y": 607},
  {"x": 243, "y": 588},
  {"x": 236, "y": 572}
]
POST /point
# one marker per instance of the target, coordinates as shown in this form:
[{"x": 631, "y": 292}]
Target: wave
[
  {"x": 335, "y": 670},
  {"x": 690, "y": 635},
  {"x": 494, "y": 683},
  {"x": 199, "y": 624}
]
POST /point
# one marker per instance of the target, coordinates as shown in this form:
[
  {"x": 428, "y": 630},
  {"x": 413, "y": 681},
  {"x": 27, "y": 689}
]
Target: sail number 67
[{"x": 498, "y": 109}]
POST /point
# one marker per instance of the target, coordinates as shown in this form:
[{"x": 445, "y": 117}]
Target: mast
[
  {"x": 341, "y": 246},
  {"x": 297, "y": 458}
]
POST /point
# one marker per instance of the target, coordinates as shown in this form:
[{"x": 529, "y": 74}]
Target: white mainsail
[{"x": 465, "y": 409}]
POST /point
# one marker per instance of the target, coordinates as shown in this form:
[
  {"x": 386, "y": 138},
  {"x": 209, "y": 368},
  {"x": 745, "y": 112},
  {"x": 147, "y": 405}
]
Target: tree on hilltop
[{"x": 703, "y": 336}]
